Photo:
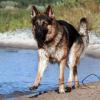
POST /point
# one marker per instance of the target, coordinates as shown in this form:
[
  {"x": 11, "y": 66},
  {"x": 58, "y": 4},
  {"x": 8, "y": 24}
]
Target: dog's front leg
[
  {"x": 43, "y": 61},
  {"x": 61, "y": 79}
]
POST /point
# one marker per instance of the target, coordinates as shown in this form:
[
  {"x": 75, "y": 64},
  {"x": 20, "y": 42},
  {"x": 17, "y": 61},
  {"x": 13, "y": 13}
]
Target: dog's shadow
[{"x": 34, "y": 94}]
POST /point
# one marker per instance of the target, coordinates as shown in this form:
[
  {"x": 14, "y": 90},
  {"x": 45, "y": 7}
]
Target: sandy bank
[
  {"x": 90, "y": 91},
  {"x": 93, "y": 50},
  {"x": 23, "y": 39}
]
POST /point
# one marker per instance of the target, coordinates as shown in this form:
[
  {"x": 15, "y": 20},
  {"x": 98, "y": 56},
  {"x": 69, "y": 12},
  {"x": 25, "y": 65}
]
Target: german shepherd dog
[{"x": 58, "y": 41}]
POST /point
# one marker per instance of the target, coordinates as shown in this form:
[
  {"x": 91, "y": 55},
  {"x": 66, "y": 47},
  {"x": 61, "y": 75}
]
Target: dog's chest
[{"x": 55, "y": 53}]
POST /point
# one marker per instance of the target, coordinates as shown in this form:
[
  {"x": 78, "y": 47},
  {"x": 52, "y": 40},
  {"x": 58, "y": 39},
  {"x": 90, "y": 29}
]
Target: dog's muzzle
[{"x": 40, "y": 35}]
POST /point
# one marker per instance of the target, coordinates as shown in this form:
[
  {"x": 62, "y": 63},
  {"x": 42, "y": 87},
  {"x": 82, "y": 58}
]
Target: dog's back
[{"x": 71, "y": 33}]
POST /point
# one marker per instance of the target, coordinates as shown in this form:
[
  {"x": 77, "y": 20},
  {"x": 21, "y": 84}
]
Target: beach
[{"x": 89, "y": 91}]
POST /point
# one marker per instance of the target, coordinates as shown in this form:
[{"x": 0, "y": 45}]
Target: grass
[
  {"x": 14, "y": 19},
  {"x": 84, "y": 8},
  {"x": 73, "y": 15},
  {"x": 20, "y": 18}
]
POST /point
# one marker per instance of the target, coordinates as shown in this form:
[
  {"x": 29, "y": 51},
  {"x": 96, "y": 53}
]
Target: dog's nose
[
  {"x": 39, "y": 32},
  {"x": 39, "y": 29}
]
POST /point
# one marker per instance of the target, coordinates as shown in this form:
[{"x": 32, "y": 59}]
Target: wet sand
[{"x": 89, "y": 91}]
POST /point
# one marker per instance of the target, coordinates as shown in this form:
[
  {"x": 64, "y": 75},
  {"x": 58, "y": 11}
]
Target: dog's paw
[
  {"x": 33, "y": 87},
  {"x": 61, "y": 89},
  {"x": 76, "y": 84},
  {"x": 68, "y": 89}
]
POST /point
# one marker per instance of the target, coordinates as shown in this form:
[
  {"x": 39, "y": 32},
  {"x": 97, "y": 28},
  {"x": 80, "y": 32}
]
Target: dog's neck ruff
[{"x": 57, "y": 38}]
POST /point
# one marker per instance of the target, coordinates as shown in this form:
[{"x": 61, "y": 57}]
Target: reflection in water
[{"x": 18, "y": 70}]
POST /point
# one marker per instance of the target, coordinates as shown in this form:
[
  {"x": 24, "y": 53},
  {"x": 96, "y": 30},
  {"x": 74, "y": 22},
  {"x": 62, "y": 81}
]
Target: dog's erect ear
[
  {"x": 49, "y": 12},
  {"x": 34, "y": 11}
]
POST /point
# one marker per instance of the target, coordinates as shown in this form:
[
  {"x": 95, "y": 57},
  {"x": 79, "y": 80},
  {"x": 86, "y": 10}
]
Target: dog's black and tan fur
[{"x": 58, "y": 41}]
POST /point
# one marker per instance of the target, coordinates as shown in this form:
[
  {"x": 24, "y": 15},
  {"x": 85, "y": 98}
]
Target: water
[{"x": 18, "y": 70}]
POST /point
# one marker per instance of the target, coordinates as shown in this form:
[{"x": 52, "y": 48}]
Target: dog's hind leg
[
  {"x": 43, "y": 61},
  {"x": 73, "y": 77},
  {"x": 76, "y": 82},
  {"x": 74, "y": 57}
]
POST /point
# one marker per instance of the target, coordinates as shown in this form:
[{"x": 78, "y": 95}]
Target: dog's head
[{"x": 43, "y": 25}]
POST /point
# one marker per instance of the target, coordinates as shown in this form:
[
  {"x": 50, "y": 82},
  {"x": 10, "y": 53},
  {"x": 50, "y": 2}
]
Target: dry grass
[
  {"x": 20, "y": 18},
  {"x": 73, "y": 14}
]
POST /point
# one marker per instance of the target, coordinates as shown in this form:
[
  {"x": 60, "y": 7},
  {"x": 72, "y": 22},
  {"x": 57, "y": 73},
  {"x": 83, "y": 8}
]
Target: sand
[
  {"x": 93, "y": 50},
  {"x": 89, "y": 91}
]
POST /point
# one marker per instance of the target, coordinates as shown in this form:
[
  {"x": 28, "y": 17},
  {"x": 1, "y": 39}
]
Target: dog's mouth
[{"x": 40, "y": 40}]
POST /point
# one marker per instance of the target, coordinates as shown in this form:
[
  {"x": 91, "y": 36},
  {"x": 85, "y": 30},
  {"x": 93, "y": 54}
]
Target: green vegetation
[
  {"x": 14, "y": 15},
  {"x": 14, "y": 19}
]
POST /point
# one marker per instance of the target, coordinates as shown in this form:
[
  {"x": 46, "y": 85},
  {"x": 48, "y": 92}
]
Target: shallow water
[{"x": 18, "y": 70}]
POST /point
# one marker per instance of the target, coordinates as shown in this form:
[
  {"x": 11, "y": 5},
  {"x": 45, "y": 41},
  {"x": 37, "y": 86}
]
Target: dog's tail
[
  {"x": 83, "y": 31},
  {"x": 83, "y": 26}
]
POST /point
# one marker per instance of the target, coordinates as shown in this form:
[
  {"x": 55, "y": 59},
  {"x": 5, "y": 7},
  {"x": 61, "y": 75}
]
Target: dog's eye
[
  {"x": 36, "y": 23},
  {"x": 45, "y": 23}
]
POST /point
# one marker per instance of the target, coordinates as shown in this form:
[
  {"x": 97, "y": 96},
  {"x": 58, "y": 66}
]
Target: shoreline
[
  {"x": 24, "y": 39},
  {"x": 90, "y": 91},
  {"x": 92, "y": 50}
]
